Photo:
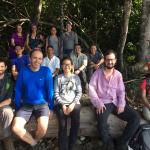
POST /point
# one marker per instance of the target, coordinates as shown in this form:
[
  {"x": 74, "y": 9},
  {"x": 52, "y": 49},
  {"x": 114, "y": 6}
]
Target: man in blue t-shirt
[
  {"x": 34, "y": 96},
  {"x": 19, "y": 62}
]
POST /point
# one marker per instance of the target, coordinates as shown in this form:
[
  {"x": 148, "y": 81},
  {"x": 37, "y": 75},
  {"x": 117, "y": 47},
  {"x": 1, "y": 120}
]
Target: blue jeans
[
  {"x": 62, "y": 133},
  {"x": 128, "y": 115}
]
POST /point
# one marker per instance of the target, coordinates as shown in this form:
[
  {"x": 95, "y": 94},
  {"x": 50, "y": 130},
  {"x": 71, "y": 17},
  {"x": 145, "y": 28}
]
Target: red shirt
[{"x": 143, "y": 86}]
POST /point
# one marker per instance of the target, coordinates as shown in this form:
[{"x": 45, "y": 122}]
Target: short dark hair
[
  {"x": 3, "y": 60},
  {"x": 110, "y": 51},
  {"x": 50, "y": 46},
  {"x": 66, "y": 58},
  {"x": 31, "y": 53},
  {"x": 77, "y": 45},
  {"x": 93, "y": 44}
]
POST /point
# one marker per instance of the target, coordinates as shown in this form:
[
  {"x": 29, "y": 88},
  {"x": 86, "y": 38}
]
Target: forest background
[{"x": 108, "y": 23}]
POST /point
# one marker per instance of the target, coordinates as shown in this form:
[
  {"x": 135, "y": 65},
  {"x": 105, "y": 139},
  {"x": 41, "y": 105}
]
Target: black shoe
[
  {"x": 110, "y": 145},
  {"x": 1, "y": 146},
  {"x": 122, "y": 147},
  {"x": 36, "y": 147}
]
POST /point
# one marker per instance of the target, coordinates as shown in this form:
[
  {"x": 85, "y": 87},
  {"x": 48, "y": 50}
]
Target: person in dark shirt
[
  {"x": 95, "y": 60},
  {"x": 6, "y": 113}
]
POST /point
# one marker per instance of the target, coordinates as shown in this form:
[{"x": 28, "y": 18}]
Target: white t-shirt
[{"x": 52, "y": 63}]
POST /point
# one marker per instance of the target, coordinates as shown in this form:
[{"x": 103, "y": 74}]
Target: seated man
[
  {"x": 95, "y": 60},
  {"x": 6, "y": 113},
  {"x": 33, "y": 96},
  {"x": 107, "y": 94},
  {"x": 51, "y": 61},
  {"x": 80, "y": 62},
  {"x": 145, "y": 95},
  {"x": 19, "y": 62}
]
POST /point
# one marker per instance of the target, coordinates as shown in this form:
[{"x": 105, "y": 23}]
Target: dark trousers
[
  {"x": 90, "y": 71},
  {"x": 128, "y": 115},
  {"x": 67, "y": 52},
  {"x": 62, "y": 133},
  {"x": 82, "y": 76}
]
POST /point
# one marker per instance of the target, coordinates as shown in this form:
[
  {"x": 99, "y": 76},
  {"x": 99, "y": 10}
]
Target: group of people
[{"x": 44, "y": 84}]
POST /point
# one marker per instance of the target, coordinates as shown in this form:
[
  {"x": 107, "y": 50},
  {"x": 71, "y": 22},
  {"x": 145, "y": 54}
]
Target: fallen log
[{"x": 88, "y": 124}]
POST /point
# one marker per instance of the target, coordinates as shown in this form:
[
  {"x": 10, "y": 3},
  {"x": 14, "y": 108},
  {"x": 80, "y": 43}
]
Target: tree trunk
[
  {"x": 38, "y": 10},
  {"x": 145, "y": 32},
  {"x": 62, "y": 17},
  {"x": 124, "y": 31}
]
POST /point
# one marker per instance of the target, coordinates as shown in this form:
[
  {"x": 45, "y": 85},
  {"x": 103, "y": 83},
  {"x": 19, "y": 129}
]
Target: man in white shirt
[{"x": 51, "y": 61}]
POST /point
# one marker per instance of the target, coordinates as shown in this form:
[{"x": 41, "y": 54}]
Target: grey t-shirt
[
  {"x": 68, "y": 89},
  {"x": 69, "y": 39},
  {"x": 54, "y": 41}
]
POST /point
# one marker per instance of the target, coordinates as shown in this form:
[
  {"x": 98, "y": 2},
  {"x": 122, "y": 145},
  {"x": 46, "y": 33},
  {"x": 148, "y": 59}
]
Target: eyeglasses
[
  {"x": 110, "y": 59},
  {"x": 67, "y": 65}
]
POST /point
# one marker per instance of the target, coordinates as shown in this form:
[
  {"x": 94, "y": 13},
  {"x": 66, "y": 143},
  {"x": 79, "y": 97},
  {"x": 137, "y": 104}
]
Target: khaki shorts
[{"x": 6, "y": 117}]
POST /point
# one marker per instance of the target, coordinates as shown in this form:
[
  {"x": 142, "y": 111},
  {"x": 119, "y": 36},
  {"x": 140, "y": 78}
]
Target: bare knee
[
  {"x": 18, "y": 126},
  {"x": 41, "y": 132}
]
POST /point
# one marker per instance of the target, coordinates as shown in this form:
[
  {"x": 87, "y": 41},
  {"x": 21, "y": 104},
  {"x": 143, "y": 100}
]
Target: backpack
[{"x": 141, "y": 139}]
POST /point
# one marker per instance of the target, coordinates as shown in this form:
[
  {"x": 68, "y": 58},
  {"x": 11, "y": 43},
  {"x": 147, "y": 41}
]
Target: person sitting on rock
[
  {"x": 33, "y": 97},
  {"x": 20, "y": 61},
  {"x": 80, "y": 63},
  {"x": 52, "y": 61},
  {"x": 145, "y": 93},
  {"x": 6, "y": 112},
  {"x": 107, "y": 94},
  {"x": 95, "y": 60},
  {"x": 68, "y": 92}
]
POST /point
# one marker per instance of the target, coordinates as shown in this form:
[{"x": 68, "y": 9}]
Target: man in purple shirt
[{"x": 107, "y": 94}]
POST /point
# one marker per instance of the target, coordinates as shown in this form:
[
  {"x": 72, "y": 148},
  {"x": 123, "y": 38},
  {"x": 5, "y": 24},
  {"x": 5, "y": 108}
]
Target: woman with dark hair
[
  {"x": 54, "y": 41},
  {"x": 32, "y": 38},
  {"x": 68, "y": 92},
  {"x": 17, "y": 38}
]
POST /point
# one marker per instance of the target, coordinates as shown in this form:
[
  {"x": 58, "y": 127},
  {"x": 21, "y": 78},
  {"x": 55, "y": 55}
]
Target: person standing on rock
[
  {"x": 107, "y": 94},
  {"x": 33, "y": 96},
  {"x": 68, "y": 40},
  {"x": 68, "y": 92}
]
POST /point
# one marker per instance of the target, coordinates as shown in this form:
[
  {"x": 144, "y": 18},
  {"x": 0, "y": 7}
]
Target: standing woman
[
  {"x": 17, "y": 38},
  {"x": 68, "y": 92},
  {"x": 54, "y": 41},
  {"x": 32, "y": 38}
]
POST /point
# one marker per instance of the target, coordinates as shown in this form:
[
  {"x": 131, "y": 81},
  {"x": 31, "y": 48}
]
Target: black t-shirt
[
  {"x": 95, "y": 58},
  {"x": 6, "y": 88},
  {"x": 1, "y": 84}
]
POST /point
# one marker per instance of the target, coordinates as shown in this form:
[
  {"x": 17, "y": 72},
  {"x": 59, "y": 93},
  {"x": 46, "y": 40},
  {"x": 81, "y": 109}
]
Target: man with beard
[
  {"x": 107, "y": 94},
  {"x": 6, "y": 112}
]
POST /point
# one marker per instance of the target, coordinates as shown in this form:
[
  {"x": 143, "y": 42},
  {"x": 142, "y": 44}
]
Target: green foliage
[{"x": 96, "y": 21}]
